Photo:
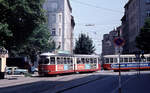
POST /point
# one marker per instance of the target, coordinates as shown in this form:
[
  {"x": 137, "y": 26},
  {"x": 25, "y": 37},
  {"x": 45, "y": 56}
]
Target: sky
[{"x": 102, "y": 15}]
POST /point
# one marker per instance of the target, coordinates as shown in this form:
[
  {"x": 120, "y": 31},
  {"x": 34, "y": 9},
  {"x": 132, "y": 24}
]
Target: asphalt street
[{"x": 99, "y": 82}]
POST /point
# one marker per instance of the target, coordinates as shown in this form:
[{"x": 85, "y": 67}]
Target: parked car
[{"x": 15, "y": 70}]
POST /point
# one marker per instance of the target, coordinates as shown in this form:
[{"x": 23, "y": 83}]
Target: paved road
[
  {"x": 100, "y": 82},
  {"x": 130, "y": 84},
  {"x": 21, "y": 84},
  {"x": 105, "y": 85}
]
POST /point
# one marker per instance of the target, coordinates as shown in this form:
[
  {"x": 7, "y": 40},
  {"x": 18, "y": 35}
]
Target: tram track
[
  {"x": 91, "y": 81},
  {"x": 42, "y": 84},
  {"x": 81, "y": 84},
  {"x": 55, "y": 86}
]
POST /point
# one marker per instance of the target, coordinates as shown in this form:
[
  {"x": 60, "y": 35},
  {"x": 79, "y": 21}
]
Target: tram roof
[
  {"x": 61, "y": 54},
  {"x": 125, "y": 55},
  {"x": 53, "y": 54},
  {"x": 47, "y": 54},
  {"x": 80, "y": 55}
]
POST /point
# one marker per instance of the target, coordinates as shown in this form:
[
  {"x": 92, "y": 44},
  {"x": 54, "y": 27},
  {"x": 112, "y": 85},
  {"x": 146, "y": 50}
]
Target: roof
[
  {"x": 69, "y": 5},
  {"x": 127, "y": 4}
]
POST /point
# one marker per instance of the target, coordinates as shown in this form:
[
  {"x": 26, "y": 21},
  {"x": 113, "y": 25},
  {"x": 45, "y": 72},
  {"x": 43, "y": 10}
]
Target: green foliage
[
  {"x": 22, "y": 27},
  {"x": 5, "y": 35},
  {"x": 143, "y": 39},
  {"x": 84, "y": 45},
  {"x": 39, "y": 41}
]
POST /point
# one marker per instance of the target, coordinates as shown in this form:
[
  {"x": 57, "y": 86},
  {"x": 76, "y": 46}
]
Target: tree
[
  {"x": 84, "y": 45},
  {"x": 20, "y": 18},
  {"x": 38, "y": 42},
  {"x": 5, "y": 34},
  {"x": 23, "y": 30},
  {"x": 143, "y": 39}
]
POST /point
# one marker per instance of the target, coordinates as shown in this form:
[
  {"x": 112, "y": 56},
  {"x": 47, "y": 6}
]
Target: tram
[
  {"x": 127, "y": 62},
  {"x": 52, "y": 64}
]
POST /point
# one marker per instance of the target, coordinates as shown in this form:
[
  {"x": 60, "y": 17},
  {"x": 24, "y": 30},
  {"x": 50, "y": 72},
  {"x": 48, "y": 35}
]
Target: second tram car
[
  {"x": 50, "y": 64},
  {"x": 127, "y": 62}
]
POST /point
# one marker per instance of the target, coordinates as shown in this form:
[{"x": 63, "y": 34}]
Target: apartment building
[
  {"x": 136, "y": 11},
  {"x": 60, "y": 23},
  {"x": 108, "y": 46}
]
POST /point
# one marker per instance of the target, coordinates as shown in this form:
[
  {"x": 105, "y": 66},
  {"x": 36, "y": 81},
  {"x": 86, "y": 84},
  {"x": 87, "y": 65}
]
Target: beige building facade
[{"x": 60, "y": 23}]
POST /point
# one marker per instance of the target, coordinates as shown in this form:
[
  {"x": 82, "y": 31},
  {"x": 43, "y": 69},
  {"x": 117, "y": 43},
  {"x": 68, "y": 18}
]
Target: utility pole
[
  {"x": 119, "y": 42},
  {"x": 119, "y": 71}
]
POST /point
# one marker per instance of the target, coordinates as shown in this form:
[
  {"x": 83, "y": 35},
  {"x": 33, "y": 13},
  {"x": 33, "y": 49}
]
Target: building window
[
  {"x": 53, "y": 32},
  {"x": 53, "y": 18},
  {"x": 60, "y": 18},
  {"x": 148, "y": 13},
  {"x": 54, "y": 6},
  {"x": 59, "y": 31}
]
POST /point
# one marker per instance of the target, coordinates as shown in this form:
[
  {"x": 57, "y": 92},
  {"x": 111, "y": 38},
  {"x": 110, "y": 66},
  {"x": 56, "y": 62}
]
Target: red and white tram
[
  {"x": 50, "y": 64},
  {"x": 127, "y": 62}
]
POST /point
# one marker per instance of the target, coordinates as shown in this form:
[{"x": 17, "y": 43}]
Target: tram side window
[
  {"x": 71, "y": 61},
  {"x": 62, "y": 61},
  {"x": 130, "y": 59},
  {"x": 121, "y": 59},
  {"x": 95, "y": 60},
  {"x": 52, "y": 60},
  {"x": 148, "y": 59},
  {"x": 68, "y": 60},
  {"x": 58, "y": 61},
  {"x": 115, "y": 60},
  {"x": 135, "y": 59},
  {"x": 82, "y": 61},
  {"x": 126, "y": 60},
  {"x": 65, "y": 61},
  {"x": 91, "y": 60},
  {"x": 78, "y": 61},
  {"x": 111, "y": 60},
  {"x": 87, "y": 60},
  {"x": 106, "y": 60}
]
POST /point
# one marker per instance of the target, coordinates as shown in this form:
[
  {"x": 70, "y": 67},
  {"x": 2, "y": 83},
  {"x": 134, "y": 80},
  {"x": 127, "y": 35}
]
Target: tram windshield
[{"x": 44, "y": 61}]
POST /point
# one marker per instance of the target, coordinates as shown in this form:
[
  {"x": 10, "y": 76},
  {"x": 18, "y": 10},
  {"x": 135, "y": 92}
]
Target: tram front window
[{"x": 46, "y": 61}]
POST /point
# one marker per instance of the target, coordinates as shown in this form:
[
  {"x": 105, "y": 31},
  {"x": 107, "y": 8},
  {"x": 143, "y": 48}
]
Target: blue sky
[{"x": 104, "y": 14}]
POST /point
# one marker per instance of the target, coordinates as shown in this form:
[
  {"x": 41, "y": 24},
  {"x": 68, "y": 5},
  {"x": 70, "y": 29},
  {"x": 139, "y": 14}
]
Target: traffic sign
[{"x": 119, "y": 41}]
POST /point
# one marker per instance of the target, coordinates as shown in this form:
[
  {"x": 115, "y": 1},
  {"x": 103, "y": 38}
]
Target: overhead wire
[{"x": 99, "y": 7}]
